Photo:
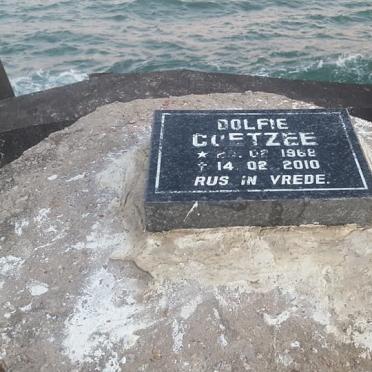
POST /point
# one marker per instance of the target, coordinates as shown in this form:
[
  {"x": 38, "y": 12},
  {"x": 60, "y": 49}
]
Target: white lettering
[
  {"x": 199, "y": 181},
  {"x": 272, "y": 138},
  {"x": 308, "y": 139},
  {"x": 223, "y": 181},
  {"x": 222, "y": 124},
  {"x": 282, "y": 123},
  {"x": 214, "y": 140},
  {"x": 195, "y": 140},
  {"x": 268, "y": 139},
  {"x": 246, "y": 125},
  {"x": 211, "y": 180},
  {"x": 286, "y": 179},
  {"x": 254, "y": 138},
  {"x": 261, "y": 123},
  {"x": 320, "y": 179},
  {"x": 236, "y": 124},
  {"x": 274, "y": 179},
  {"x": 299, "y": 179},
  {"x": 290, "y": 139},
  {"x": 236, "y": 136},
  {"x": 248, "y": 180}
]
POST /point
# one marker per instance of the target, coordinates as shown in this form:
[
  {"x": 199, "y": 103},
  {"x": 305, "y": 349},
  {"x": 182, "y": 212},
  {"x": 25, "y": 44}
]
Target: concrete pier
[{"x": 84, "y": 288}]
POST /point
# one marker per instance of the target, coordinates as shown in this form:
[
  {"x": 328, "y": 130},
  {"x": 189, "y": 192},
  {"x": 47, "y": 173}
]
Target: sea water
[{"x": 47, "y": 43}]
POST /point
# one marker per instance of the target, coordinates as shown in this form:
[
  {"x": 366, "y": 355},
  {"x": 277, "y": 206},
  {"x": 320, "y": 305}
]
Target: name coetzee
[{"x": 261, "y": 132}]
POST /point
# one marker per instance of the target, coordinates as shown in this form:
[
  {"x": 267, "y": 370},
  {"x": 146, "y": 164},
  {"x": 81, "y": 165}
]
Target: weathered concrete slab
[
  {"x": 64, "y": 105},
  {"x": 83, "y": 287}
]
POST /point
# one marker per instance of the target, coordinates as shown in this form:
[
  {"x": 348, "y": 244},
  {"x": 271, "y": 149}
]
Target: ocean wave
[
  {"x": 42, "y": 80},
  {"x": 293, "y": 40},
  {"x": 344, "y": 68},
  {"x": 347, "y": 60}
]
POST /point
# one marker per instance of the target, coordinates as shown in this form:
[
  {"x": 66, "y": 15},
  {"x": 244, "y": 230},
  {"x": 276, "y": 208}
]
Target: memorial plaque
[{"x": 271, "y": 167}]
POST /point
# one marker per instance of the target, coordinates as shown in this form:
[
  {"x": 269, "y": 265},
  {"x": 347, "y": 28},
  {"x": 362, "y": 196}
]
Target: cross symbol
[{"x": 202, "y": 165}]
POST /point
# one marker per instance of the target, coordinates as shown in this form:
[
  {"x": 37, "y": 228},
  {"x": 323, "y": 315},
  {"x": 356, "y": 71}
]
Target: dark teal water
[{"x": 46, "y": 43}]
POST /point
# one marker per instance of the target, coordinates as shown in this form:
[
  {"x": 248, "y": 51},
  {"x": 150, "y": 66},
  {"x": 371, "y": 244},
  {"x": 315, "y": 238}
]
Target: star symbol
[{"x": 202, "y": 154}]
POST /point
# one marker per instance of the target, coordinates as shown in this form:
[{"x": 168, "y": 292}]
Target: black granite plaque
[{"x": 272, "y": 167}]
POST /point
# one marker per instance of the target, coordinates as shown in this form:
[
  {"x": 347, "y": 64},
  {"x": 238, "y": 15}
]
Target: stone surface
[
  {"x": 62, "y": 106},
  {"x": 84, "y": 288},
  {"x": 261, "y": 168}
]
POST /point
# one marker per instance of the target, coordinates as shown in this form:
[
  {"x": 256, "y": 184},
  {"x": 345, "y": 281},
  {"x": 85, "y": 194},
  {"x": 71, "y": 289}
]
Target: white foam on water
[
  {"x": 345, "y": 59},
  {"x": 334, "y": 68},
  {"x": 42, "y": 80}
]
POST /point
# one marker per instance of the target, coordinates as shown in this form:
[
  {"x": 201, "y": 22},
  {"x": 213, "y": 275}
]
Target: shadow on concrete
[{"x": 6, "y": 90}]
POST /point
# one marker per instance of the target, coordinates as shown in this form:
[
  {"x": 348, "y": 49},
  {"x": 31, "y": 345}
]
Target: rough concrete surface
[{"x": 84, "y": 288}]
